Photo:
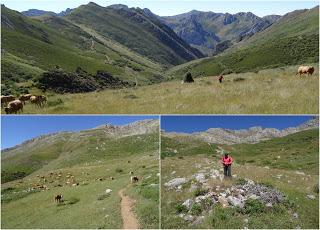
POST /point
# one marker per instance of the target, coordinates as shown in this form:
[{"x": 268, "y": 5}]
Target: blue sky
[
  {"x": 16, "y": 129},
  {"x": 189, "y": 124},
  {"x": 173, "y": 7}
]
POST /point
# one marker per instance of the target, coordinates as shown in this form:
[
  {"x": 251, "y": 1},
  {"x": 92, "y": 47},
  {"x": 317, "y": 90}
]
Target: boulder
[
  {"x": 175, "y": 182},
  {"x": 312, "y": 197},
  {"x": 188, "y": 218},
  {"x": 223, "y": 201},
  {"x": 200, "y": 177},
  {"x": 193, "y": 188},
  {"x": 235, "y": 201},
  {"x": 188, "y": 204}
]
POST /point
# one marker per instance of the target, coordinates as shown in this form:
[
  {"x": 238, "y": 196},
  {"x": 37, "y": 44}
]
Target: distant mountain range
[
  {"x": 214, "y": 32},
  {"x": 209, "y": 32},
  {"x": 251, "y": 135},
  {"x": 292, "y": 39}
]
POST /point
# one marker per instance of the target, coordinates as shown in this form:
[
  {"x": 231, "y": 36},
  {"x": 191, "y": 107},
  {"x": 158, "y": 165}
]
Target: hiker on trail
[
  {"x": 220, "y": 78},
  {"x": 226, "y": 161}
]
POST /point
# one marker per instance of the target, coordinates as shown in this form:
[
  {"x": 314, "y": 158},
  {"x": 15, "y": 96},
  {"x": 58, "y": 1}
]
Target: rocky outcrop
[
  {"x": 135, "y": 128},
  {"x": 251, "y": 135}
]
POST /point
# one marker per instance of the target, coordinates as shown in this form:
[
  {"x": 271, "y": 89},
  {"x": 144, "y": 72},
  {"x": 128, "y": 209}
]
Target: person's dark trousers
[{"x": 227, "y": 170}]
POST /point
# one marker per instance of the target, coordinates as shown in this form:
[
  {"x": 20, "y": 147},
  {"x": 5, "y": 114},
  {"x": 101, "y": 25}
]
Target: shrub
[
  {"x": 181, "y": 208},
  {"x": 196, "y": 209},
  {"x": 253, "y": 206},
  {"x": 188, "y": 78}
]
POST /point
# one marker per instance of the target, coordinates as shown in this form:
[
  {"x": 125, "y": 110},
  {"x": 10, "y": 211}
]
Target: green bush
[
  {"x": 181, "y": 208},
  {"x": 196, "y": 209},
  {"x": 188, "y": 78},
  {"x": 253, "y": 206}
]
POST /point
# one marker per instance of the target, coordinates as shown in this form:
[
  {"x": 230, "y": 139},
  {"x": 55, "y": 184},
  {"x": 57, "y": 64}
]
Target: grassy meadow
[
  {"x": 273, "y": 91},
  {"x": 86, "y": 205},
  {"x": 295, "y": 180}
]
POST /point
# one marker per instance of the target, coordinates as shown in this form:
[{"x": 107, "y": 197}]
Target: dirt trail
[{"x": 128, "y": 217}]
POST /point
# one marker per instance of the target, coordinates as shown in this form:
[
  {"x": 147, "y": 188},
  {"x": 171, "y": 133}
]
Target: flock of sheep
[{"x": 15, "y": 105}]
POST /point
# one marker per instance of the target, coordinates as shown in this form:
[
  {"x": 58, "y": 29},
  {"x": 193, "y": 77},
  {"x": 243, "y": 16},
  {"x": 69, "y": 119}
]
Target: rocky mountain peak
[{"x": 251, "y": 135}]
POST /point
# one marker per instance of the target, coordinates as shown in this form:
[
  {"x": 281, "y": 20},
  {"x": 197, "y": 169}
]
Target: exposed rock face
[
  {"x": 135, "y": 128},
  {"x": 251, "y": 135},
  {"x": 213, "y": 32}
]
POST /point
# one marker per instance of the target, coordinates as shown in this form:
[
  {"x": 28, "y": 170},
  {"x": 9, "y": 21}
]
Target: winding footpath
[{"x": 128, "y": 217}]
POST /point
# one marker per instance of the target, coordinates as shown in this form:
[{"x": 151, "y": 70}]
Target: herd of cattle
[
  {"x": 45, "y": 182},
  {"x": 15, "y": 105}
]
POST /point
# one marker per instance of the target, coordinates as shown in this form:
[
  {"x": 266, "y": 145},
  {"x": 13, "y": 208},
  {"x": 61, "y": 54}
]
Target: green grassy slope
[
  {"x": 297, "y": 151},
  {"x": 295, "y": 174},
  {"x": 292, "y": 40},
  {"x": 136, "y": 30},
  {"x": 271, "y": 91},
  {"x": 86, "y": 155},
  {"x": 31, "y": 46}
]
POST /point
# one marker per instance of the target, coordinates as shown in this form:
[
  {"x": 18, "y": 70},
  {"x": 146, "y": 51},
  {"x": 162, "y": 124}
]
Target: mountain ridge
[
  {"x": 135, "y": 128},
  {"x": 251, "y": 135}
]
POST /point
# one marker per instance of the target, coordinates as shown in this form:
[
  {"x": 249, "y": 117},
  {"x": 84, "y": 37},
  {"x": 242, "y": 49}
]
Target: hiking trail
[{"x": 128, "y": 217}]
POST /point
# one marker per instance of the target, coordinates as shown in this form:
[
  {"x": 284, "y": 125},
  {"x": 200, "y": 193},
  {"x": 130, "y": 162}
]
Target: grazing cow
[
  {"x": 14, "y": 107},
  {"x": 220, "y": 78},
  {"x": 134, "y": 179},
  {"x": 38, "y": 100},
  {"x": 58, "y": 198},
  {"x": 305, "y": 70},
  {"x": 24, "y": 98},
  {"x": 131, "y": 172},
  {"x": 6, "y": 99},
  {"x": 112, "y": 178}
]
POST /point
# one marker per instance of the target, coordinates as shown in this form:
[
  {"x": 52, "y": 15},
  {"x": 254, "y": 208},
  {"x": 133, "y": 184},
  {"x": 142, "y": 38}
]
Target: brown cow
[
  {"x": 305, "y": 70},
  {"x": 14, "y": 107},
  {"x": 38, "y": 100},
  {"x": 134, "y": 179},
  {"x": 58, "y": 198},
  {"x": 24, "y": 98},
  {"x": 6, "y": 99}
]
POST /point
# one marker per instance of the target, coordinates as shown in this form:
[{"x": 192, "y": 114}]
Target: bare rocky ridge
[
  {"x": 251, "y": 135},
  {"x": 135, "y": 128}
]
